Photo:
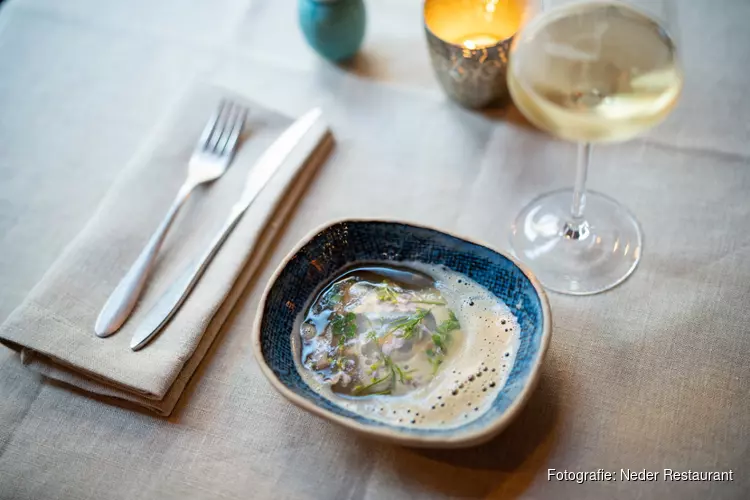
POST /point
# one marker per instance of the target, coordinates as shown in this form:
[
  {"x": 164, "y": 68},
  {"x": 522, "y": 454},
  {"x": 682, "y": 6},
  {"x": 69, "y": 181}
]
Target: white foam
[{"x": 470, "y": 378}]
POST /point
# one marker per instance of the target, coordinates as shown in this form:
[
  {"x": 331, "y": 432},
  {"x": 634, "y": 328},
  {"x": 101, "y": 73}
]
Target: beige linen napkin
[{"x": 53, "y": 327}]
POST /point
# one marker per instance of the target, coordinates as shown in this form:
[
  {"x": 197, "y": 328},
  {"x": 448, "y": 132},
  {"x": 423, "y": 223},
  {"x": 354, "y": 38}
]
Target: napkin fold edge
[{"x": 81, "y": 380}]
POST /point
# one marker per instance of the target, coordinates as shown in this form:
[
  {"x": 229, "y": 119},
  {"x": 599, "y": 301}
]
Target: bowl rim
[{"x": 439, "y": 440}]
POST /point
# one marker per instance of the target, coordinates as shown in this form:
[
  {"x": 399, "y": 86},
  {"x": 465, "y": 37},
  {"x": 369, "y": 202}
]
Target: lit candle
[
  {"x": 486, "y": 24},
  {"x": 478, "y": 41},
  {"x": 469, "y": 42}
]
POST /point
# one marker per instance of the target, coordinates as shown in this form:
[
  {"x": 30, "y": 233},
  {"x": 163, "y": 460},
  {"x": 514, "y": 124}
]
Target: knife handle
[
  {"x": 171, "y": 300},
  {"x": 264, "y": 169}
]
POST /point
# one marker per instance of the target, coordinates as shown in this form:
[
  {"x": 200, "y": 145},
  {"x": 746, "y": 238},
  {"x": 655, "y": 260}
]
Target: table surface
[{"x": 651, "y": 375}]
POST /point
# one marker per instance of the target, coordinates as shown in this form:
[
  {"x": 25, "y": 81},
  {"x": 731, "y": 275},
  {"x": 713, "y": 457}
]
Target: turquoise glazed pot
[{"x": 334, "y": 28}]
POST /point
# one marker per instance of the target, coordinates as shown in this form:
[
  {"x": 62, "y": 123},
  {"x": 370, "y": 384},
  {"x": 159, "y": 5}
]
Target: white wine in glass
[{"x": 588, "y": 72}]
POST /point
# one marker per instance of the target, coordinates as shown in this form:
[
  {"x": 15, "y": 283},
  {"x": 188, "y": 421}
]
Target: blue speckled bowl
[{"x": 343, "y": 243}]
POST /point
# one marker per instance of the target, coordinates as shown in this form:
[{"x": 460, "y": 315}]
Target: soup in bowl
[{"x": 404, "y": 333}]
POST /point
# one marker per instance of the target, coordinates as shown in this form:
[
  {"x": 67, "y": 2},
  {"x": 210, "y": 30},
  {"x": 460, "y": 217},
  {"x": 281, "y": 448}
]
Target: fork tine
[
  {"x": 239, "y": 122},
  {"x": 221, "y": 124},
  {"x": 221, "y": 144},
  {"x": 211, "y": 125}
]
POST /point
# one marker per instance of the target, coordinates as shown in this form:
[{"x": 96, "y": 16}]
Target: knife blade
[{"x": 261, "y": 173}]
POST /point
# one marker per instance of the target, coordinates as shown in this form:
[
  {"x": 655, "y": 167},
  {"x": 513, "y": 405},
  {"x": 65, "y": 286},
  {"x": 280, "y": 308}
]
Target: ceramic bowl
[{"x": 341, "y": 244}]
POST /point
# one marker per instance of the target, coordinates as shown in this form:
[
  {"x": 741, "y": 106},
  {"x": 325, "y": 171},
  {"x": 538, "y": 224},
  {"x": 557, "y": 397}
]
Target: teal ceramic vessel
[{"x": 334, "y": 28}]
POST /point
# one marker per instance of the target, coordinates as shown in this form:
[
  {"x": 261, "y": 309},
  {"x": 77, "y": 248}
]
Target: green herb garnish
[
  {"x": 409, "y": 324},
  {"x": 437, "y": 339},
  {"x": 449, "y": 324},
  {"x": 387, "y": 293},
  {"x": 435, "y": 362},
  {"x": 385, "y": 392},
  {"x": 362, "y": 388},
  {"x": 428, "y": 302},
  {"x": 396, "y": 370},
  {"x": 440, "y": 339},
  {"x": 344, "y": 325}
]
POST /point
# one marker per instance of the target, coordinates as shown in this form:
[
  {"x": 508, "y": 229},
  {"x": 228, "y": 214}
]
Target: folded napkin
[{"x": 53, "y": 329}]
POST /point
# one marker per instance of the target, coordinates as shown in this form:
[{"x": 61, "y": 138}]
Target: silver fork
[{"x": 209, "y": 161}]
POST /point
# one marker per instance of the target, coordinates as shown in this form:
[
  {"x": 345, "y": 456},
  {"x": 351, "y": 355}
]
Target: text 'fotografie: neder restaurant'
[{"x": 638, "y": 475}]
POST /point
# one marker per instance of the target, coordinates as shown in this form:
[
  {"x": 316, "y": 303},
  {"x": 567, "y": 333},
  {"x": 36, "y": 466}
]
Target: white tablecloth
[{"x": 651, "y": 375}]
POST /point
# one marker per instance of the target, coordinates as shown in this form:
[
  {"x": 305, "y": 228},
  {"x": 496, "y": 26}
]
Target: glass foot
[{"x": 584, "y": 259}]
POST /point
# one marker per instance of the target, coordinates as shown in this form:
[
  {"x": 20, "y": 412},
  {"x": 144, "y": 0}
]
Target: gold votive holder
[{"x": 469, "y": 42}]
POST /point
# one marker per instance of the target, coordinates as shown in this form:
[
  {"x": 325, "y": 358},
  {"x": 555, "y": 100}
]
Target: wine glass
[{"x": 590, "y": 72}]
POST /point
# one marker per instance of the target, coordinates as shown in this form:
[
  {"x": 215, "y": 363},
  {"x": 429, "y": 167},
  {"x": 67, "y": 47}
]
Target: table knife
[{"x": 262, "y": 172}]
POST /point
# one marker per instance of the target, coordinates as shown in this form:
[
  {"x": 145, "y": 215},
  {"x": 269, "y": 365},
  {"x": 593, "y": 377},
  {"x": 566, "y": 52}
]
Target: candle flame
[{"x": 478, "y": 41}]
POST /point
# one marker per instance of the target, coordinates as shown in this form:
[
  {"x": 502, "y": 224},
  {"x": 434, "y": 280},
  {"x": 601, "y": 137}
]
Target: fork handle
[{"x": 121, "y": 302}]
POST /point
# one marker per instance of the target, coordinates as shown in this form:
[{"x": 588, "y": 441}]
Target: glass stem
[{"x": 576, "y": 227}]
